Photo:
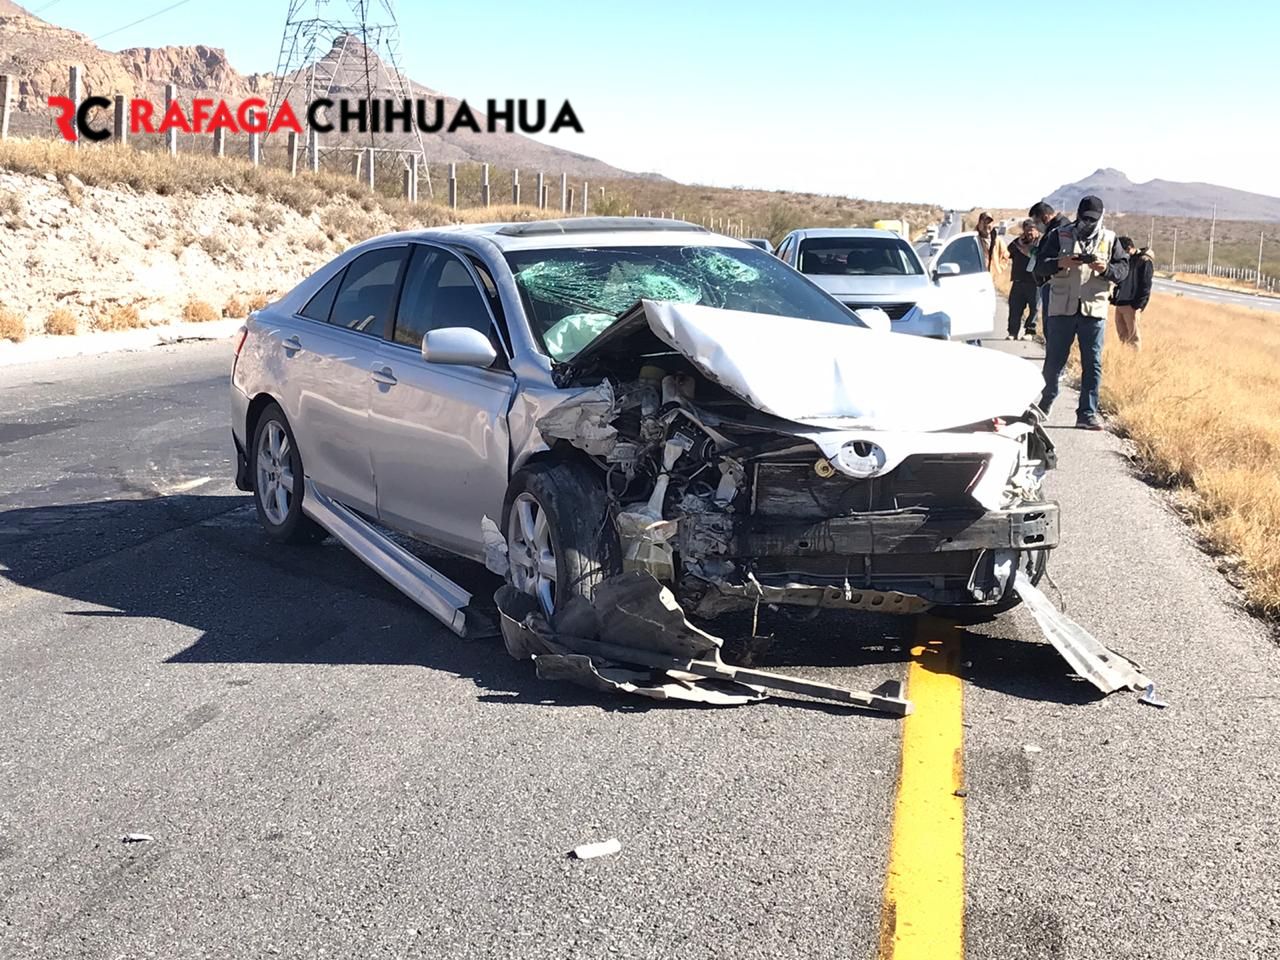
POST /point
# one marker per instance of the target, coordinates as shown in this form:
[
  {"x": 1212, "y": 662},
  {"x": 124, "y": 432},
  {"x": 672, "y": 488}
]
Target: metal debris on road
[
  {"x": 1150, "y": 699},
  {"x": 590, "y": 851},
  {"x": 1105, "y": 669},
  {"x": 137, "y": 838},
  {"x": 634, "y": 638}
]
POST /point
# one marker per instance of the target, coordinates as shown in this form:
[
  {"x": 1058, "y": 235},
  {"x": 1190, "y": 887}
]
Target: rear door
[
  {"x": 326, "y": 355},
  {"x": 441, "y": 450},
  {"x": 969, "y": 297}
]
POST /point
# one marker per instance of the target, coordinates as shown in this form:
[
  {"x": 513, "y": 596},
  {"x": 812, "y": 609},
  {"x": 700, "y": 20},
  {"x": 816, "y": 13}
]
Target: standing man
[
  {"x": 1023, "y": 290},
  {"x": 993, "y": 250},
  {"x": 1080, "y": 262},
  {"x": 1049, "y": 220},
  {"x": 1132, "y": 294}
]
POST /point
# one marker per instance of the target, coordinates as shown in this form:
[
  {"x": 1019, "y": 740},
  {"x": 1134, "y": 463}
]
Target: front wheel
[
  {"x": 278, "y": 481},
  {"x": 561, "y": 541}
]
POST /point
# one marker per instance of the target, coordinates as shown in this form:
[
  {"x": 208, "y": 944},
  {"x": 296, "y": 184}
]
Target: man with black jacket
[
  {"x": 1079, "y": 262},
  {"x": 1132, "y": 294},
  {"x": 1049, "y": 220},
  {"x": 1023, "y": 291}
]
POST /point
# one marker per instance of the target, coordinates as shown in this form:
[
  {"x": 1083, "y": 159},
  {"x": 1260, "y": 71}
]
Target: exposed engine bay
[{"x": 732, "y": 505}]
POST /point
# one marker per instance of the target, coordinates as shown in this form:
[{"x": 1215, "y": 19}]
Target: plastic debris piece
[
  {"x": 1150, "y": 699},
  {"x": 137, "y": 838},
  {"x": 495, "y": 547},
  {"x": 1030, "y": 748},
  {"x": 605, "y": 848}
]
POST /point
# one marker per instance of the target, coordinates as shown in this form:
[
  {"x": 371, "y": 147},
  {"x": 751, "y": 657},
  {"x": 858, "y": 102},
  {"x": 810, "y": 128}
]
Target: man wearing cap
[
  {"x": 1080, "y": 262},
  {"x": 1048, "y": 220},
  {"x": 1023, "y": 290}
]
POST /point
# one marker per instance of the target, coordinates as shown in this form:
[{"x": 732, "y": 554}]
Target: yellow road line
[{"x": 923, "y": 915}]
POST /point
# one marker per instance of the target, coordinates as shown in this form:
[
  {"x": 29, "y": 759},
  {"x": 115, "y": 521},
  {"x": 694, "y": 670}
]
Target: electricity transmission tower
[{"x": 346, "y": 48}]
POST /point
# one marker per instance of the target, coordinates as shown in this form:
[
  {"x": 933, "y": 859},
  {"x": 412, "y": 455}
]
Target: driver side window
[
  {"x": 965, "y": 254},
  {"x": 439, "y": 292}
]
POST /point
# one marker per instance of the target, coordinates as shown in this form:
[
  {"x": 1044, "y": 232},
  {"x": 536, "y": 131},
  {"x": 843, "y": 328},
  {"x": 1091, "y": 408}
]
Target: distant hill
[
  {"x": 1166, "y": 198},
  {"x": 38, "y": 55}
]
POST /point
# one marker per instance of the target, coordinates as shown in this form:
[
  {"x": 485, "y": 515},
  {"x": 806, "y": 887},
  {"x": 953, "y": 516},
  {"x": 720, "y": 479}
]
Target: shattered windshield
[{"x": 573, "y": 295}]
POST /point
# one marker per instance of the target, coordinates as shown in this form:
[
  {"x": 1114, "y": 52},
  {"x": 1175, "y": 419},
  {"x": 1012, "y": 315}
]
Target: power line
[{"x": 149, "y": 16}]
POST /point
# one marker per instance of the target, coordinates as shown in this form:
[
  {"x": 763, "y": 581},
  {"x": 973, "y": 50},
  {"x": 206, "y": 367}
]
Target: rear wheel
[
  {"x": 278, "y": 481},
  {"x": 561, "y": 541}
]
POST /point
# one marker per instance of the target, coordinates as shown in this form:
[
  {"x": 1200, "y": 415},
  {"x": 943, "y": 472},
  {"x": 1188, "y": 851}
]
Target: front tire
[
  {"x": 279, "y": 481},
  {"x": 561, "y": 541}
]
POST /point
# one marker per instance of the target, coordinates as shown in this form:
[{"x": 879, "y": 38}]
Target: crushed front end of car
[{"x": 750, "y": 459}]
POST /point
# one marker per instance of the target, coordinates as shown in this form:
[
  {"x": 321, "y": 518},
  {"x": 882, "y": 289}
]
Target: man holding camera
[{"x": 1080, "y": 262}]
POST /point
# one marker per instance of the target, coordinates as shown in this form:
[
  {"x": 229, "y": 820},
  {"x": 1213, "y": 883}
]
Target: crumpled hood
[{"x": 830, "y": 375}]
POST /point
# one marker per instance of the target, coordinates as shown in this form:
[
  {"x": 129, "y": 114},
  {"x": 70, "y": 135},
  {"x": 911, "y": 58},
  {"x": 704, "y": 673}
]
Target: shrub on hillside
[
  {"x": 118, "y": 316},
  {"x": 235, "y": 307},
  {"x": 199, "y": 311},
  {"x": 12, "y": 325},
  {"x": 61, "y": 322}
]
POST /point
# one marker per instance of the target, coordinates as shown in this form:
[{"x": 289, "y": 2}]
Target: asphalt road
[
  {"x": 1214, "y": 295},
  {"x": 326, "y": 771}
]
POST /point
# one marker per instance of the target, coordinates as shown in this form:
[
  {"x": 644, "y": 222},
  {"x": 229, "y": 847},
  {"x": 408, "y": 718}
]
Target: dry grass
[
  {"x": 12, "y": 325},
  {"x": 1199, "y": 402},
  {"x": 236, "y": 306},
  {"x": 61, "y": 322},
  {"x": 257, "y": 301},
  {"x": 119, "y": 316},
  {"x": 199, "y": 311}
]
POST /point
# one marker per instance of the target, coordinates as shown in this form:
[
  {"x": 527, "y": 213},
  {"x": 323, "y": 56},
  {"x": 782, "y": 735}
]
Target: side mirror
[
  {"x": 875, "y": 318},
  {"x": 947, "y": 270},
  {"x": 459, "y": 346}
]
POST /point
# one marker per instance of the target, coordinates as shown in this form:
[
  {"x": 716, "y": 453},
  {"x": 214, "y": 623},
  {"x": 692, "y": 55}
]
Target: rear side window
[
  {"x": 964, "y": 253},
  {"x": 368, "y": 291},
  {"x": 439, "y": 292},
  {"x": 319, "y": 306}
]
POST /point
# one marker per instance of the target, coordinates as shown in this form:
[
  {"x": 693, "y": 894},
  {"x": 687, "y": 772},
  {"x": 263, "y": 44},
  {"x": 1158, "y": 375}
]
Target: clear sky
[{"x": 959, "y": 103}]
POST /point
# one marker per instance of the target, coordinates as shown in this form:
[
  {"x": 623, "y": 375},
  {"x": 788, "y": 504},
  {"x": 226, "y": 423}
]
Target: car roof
[
  {"x": 574, "y": 232},
  {"x": 816, "y": 232}
]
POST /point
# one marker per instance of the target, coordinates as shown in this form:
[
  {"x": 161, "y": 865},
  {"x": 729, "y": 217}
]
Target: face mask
[{"x": 1085, "y": 226}]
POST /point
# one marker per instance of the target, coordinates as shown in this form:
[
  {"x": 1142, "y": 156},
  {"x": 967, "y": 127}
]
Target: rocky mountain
[
  {"x": 1166, "y": 198},
  {"x": 39, "y": 54}
]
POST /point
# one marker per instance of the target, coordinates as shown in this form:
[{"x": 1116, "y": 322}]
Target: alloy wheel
[
  {"x": 530, "y": 551},
  {"x": 275, "y": 473}
]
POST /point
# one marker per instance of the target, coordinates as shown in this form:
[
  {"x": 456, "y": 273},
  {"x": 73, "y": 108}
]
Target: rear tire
[
  {"x": 561, "y": 540},
  {"x": 279, "y": 481}
]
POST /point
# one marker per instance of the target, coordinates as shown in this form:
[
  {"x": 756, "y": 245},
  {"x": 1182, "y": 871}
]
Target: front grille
[
  {"x": 794, "y": 491},
  {"x": 896, "y": 311}
]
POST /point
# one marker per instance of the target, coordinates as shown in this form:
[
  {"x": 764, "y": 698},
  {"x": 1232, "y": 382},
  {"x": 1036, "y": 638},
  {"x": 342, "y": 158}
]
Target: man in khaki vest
[{"x": 1080, "y": 262}]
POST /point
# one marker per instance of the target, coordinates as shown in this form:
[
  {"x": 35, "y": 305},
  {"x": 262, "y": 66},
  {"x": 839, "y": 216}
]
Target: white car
[{"x": 949, "y": 296}]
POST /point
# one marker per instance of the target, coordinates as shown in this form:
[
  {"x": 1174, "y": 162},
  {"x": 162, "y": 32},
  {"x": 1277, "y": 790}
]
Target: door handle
[
  {"x": 291, "y": 344},
  {"x": 384, "y": 376}
]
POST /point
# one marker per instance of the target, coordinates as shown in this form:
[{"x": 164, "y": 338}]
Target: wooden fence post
[
  {"x": 120, "y": 122},
  {"x": 73, "y": 90},
  {"x": 564, "y": 193},
  {"x": 220, "y": 141},
  {"x": 585, "y": 195},
  {"x": 313, "y": 154},
  {"x": 255, "y": 143},
  {"x": 6, "y": 93},
  {"x": 541, "y": 198},
  {"x": 484, "y": 184},
  {"x": 515, "y": 187},
  {"x": 293, "y": 153},
  {"x": 171, "y": 135},
  {"x": 355, "y": 164},
  {"x": 453, "y": 186},
  {"x": 369, "y": 178},
  {"x": 411, "y": 180},
  {"x": 569, "y": 203}
]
